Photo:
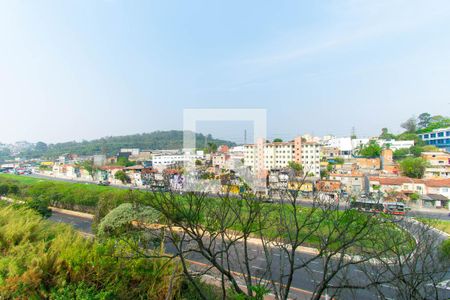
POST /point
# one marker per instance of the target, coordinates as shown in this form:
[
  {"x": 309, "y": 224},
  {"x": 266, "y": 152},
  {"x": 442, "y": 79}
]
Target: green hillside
[{"x": 111, "y": 145}]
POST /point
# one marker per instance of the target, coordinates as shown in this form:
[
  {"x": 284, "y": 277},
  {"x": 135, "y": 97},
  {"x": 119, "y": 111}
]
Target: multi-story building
[
  {"x": 220, "y": 160},
  {"x": 277, "y": 155},
  {"x": 163, "y": 160},
  {"x": 343, "y": 144},
  {"x": 330, "y": 153},
  {"x": 142, "y": 155},
  {"x": 438, "y": 137},
  {"x": 346, "y": 145},
  {"x": 438, "y": 164},
  {"x": 351, "y": 183}
]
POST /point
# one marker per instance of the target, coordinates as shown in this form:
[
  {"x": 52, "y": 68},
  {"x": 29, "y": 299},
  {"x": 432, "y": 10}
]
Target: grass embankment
[
  {"x": 442, "y": 225},
  {"x": 99, "y": 200},
  {"x": 44, "y": 260},
  {"x": 75, "y": 196}
]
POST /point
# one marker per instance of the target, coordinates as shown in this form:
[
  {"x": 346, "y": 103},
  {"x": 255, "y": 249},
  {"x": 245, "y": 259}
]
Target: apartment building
[
  {"x": 220, "y": 160},
  {"x": 330, "y": 153},
  {"x": 162, "y": 160},
  {"x": 438, "y": 164},
  {"x": 277, "y": 155},
  {"x": 438, "y": 137}
]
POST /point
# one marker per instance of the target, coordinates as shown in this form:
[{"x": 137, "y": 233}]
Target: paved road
[
  {"x": 80, "y": 224},
  {"x": 305, "y": 280}
]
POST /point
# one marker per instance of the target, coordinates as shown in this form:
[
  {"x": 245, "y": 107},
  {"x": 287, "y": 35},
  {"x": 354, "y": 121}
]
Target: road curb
[{"x": 72, "y": 213}]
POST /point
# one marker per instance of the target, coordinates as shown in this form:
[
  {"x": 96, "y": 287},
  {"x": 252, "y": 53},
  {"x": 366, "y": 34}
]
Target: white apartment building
[
  {"x": 132, "y": 151},
  {"x": 277, "y": 155},
  {"x": 311, "y": 155},
  {"x": 164, "y": 160},
  {"x": 343, "y": 144}
]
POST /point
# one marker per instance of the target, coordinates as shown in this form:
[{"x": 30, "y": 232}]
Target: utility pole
[{"x": 245, "y": 136}]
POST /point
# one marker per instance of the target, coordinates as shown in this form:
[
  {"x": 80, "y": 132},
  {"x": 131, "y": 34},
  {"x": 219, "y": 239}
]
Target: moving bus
[{"x": 394, "y": 208}]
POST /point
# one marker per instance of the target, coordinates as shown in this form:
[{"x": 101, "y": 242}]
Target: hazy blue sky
[{"x": 85, "y": 69}]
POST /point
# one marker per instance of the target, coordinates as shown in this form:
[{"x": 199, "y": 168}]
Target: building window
[
  {"x": 440, "y": 134},
  {"x": 433, "y": 135}
]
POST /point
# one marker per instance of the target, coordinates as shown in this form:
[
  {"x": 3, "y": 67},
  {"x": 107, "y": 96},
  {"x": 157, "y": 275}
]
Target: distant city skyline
[{"x": 89, "y": 69}]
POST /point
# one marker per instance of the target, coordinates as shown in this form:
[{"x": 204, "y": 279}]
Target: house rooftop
[
  {"x": 401, "y": 180},
  {"x": 434, "y": 197},
  {"x": 346, "y": 175},
  {"x": 110, "y": 167},
  {"x": 137, "y": 167},
  {"x": 395, "y": 180},
  {"x": 438, "y": 182}
]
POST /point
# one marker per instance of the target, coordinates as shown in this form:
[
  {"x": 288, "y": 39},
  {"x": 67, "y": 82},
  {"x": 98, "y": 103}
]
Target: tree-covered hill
[{"x": 111, "y": 145}]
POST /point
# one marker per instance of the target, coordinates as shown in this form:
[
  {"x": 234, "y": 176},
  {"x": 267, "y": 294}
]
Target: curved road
[{"x": 304, "y": 280}]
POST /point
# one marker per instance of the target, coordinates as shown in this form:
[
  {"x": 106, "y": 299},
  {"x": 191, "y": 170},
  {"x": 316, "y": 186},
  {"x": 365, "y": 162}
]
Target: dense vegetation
[
  {"x": 413, "y": 167},
  {"x": 372, "y": 149},
  {"x": 442, "y": 225},
  {"x": 74, "y": 196},
  {"x": 111, "y": 145},
  {"x": 100, "y": 200},
  {"x": 416, "y": 125},
  {"x": 199, "y": 223},
  {"x": 42, "y": 260}
]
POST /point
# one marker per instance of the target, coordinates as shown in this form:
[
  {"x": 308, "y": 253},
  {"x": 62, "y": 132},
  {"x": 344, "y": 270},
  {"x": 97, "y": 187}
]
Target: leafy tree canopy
[
  {"x": 123, "y": 161},
  {"x": 386, "y": 135},
  {"x": 296, "y": 167},
  {"x": 423, "y": 120},
  {"x": 122, "y": 176},
  {"x": 410, "y": 125},
  {"x": 435, "y": 122},
  {"x": 119, "y": 220},
  {"x": 372, "y": 149},
  {"x": 413, "y": 167},
  {"x": 401, "y": 153}
]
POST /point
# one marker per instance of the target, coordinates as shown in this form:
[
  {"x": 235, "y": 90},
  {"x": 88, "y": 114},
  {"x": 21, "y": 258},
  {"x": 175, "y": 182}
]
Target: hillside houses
[{"x": 428, "y": 190}]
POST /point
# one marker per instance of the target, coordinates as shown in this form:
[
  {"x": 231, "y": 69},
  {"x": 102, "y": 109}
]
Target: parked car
[{"x": 103, "y": 183}]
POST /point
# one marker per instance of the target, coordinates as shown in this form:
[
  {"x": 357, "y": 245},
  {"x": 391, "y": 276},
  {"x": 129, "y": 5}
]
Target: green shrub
[
  {"x": 42, "y": 260},
  {"x": 122, "y": 176},
  {"x": 4, "y": 188},
  {"x": 414, "y": 197},
  {"x": 40, "y": 205},
  {"x": 120, "y": 219}
]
